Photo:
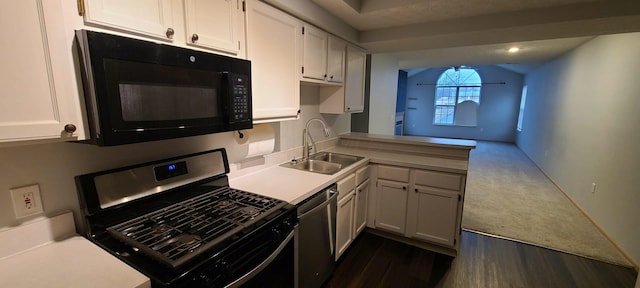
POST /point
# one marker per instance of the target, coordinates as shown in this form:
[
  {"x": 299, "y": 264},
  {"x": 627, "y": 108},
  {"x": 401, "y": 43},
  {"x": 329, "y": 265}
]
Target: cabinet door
[
  {"x": 344, "y": 224},
  {"x": 360, "y": 214},
  {"x": 314, "y": 54},
  {"x": 38, "y": 95},
  {"x": 147, "y": 17},
  {"x": 391, "y": 206},
  {"x": 335, "y": 59},
  {"x": 433, "y": 213},
  {"x": 273, "y": 47},
  {"x": 354, "y": 83},
  {"x": 213, "y": 24}
]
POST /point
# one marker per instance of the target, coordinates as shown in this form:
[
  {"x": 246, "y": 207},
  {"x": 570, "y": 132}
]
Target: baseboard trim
[{"x": 615, "y": 245}]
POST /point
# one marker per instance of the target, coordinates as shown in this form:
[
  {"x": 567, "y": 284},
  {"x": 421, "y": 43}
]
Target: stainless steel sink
[
  {"x": 317, "y": 166},
  {"x": 324, "y": 162},
  {"x": 344, "y": 160}
]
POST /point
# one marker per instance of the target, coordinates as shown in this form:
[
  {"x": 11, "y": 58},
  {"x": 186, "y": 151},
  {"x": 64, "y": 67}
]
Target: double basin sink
[{"x": 324, "y": 162}]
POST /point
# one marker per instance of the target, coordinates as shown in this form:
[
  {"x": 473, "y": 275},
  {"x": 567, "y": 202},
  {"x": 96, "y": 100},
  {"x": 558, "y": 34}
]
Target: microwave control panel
[{"x": 241, "y": 106}]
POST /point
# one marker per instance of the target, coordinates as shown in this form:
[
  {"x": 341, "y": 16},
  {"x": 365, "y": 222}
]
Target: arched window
[{"x": 457, "y": 97}]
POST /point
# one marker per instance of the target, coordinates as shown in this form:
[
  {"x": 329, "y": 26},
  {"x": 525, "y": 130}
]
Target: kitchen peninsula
[{"x": 417, "y": 186}]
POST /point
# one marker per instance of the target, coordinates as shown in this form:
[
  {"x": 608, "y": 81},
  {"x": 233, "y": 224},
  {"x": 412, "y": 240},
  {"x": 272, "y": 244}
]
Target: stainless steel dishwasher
[{"x": 315, "y": 238}]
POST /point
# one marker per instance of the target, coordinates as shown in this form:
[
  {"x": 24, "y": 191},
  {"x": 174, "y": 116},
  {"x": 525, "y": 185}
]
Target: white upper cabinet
[
  {"x": 348, "y": 98},
  {"x": 208, "y": 24},
  {"x": 335, "y": 59},
  {"x": 38, "y": 96},
  {"x": 314, "y": 54},
  {"x": 215, "y": 25},
  {"x": 147, "y": 17},
  {"x": 323, "y": 56},
  {"x": 273, "y": 46},
  {"x": 354, "y": 86}
]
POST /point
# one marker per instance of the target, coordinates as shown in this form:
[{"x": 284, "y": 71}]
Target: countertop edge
[{"x": 414, "y": 140}]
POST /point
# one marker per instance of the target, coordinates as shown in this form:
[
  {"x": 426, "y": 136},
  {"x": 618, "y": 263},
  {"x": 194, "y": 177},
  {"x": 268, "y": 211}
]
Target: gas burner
[
  {"x": 176, "y": 233},
  {"x": 160, "y": 229},
  {"x": 225, "y": 205},
  {"x": 250, "y": 211},
  {"x": 182, "y": 242}
]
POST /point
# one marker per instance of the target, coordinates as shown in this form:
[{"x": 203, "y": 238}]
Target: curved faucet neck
[{"x": 305, "y": 135}]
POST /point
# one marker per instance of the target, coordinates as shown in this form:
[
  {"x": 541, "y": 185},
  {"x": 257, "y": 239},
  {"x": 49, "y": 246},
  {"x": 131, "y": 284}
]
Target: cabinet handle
[
  {"x": 194, "y": 38},
  {"x": 348, "y": 108},
  {"x": 404, "y": 187},
  {"x": 170, "y": 33},
  {"x": 416, "y": 190},
  {"x": 331, "y": 77},
  {"x": 70, "y": 128}
]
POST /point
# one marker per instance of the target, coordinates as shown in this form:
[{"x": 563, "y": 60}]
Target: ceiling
[{"x": 437, "y": 33}]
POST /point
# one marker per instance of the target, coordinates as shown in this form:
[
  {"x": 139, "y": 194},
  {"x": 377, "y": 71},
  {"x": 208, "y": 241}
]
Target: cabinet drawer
[
  {"x": 362, "y": 174},
  {"x": 346, "y": 185},
  {"x": 393, "y": 173},
  {"x": 438, "y": 179}
]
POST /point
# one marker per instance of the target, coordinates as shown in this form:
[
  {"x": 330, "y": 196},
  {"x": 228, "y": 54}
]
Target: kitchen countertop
[
  {"x": 289, "y": 184},
  {"x": 294, "y": 185},
  {"x": 54, "y": 258},
  {"x": 414, "y": 140}
]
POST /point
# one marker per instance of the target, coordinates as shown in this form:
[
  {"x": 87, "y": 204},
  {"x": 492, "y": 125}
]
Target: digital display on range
[{"x": 170, "y": 170}]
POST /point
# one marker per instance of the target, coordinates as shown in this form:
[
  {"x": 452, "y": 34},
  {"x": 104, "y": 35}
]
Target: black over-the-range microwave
[{"x": 138, "y": 91}]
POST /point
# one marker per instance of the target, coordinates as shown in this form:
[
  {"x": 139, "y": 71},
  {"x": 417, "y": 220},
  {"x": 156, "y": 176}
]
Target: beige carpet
[{"x": 508, "y": 196}]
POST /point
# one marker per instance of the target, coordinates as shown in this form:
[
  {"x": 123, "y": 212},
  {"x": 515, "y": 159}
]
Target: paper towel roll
[{"x": 258, "y": 141}]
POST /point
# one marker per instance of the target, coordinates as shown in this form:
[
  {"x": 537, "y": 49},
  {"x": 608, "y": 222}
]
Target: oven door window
[{"x": 151, "y": 96}]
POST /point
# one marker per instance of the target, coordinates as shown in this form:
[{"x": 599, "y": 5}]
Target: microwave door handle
[{"x": 246, "y": 277}]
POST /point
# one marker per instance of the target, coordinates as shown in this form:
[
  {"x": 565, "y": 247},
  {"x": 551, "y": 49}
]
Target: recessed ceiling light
[{"x": 514, "y": 49}]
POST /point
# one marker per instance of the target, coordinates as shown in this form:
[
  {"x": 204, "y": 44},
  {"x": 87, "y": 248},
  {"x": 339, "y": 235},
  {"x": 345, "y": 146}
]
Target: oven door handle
[{"x": 246, "y": 277}]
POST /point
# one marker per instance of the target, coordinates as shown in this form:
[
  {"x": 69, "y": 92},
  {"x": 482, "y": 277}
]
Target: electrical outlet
[{"x": 26, "y": 201}]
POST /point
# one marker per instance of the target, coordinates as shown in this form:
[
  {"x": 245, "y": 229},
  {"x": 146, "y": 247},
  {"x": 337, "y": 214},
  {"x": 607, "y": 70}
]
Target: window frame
[{"x": 451, "y": 106}]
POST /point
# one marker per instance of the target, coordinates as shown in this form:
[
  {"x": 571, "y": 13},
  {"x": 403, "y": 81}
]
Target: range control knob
[{"x": 276, "y": 232}]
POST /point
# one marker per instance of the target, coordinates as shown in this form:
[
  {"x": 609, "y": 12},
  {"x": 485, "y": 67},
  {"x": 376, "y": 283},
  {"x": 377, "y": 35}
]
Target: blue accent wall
[
  {"x": 497, "y": 114},
  {"x": 401, "y": 99}
]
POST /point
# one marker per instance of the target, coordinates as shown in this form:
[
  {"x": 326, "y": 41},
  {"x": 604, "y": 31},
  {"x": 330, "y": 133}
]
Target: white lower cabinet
[
  {"x": 432, "y": 215},
  {"x": 351, "y": 216},
  {"x": 419, "y": 204},
  {"x": 361, "y": 203},
  {"x": 392, "y": 206},
  {"x": 344, "y": 227}
]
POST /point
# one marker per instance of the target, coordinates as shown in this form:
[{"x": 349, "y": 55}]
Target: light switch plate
[{"x": 26, "y": 200}]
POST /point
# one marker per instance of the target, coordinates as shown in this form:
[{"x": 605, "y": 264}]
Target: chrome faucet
[{"x": 306, "y": 133}]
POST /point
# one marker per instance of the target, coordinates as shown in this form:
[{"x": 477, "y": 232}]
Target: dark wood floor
[{"x": 373, "y": 261}]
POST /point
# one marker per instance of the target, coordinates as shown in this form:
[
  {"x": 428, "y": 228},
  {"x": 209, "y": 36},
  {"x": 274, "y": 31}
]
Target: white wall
[
  {"x": 497, "y": 114},
  {"x": 54, "y": 165},
  {"x": 383, "y": 92},
  {"x": 291, "y": 131},
  {"x": 581, "y": 126}
]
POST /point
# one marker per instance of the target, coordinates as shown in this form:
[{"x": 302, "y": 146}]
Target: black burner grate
[{"x": 177, "y": 233}]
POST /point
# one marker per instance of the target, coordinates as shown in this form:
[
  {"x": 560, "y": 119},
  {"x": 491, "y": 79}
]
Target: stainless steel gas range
[{"x": 178, "y": 222}]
